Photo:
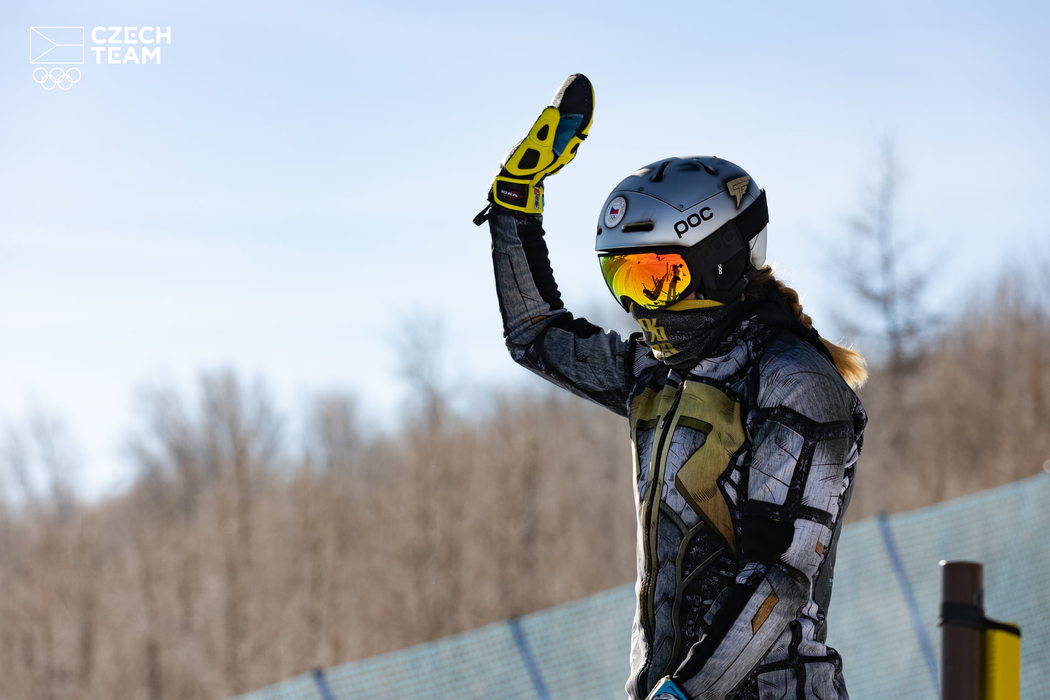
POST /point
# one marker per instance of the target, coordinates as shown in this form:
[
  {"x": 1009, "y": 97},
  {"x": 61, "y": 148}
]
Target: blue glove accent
[
  {"x": 667, "y": 690},
  {"x": 566, "y": 130}
]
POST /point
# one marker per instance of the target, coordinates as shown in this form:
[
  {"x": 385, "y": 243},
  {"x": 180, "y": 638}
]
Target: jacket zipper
[{"x": 657, "y": 478}]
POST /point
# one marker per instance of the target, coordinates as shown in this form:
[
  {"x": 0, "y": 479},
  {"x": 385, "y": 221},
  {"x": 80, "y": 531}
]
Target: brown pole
[{"x": 962, "y": 660}]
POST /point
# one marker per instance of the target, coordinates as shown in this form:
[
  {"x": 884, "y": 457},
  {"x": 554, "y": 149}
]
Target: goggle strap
[
  {"x": 754, "y": 218},
  {"x": 723, "y": 245}
]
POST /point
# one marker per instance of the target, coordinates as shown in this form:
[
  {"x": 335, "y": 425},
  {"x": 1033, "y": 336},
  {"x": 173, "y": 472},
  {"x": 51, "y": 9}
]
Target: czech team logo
[
  {"x": 615, "y": 211},
  {"x": 56, "y": 46}
]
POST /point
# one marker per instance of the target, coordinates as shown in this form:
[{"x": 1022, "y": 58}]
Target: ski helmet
[{"x": 682, "y": 225}]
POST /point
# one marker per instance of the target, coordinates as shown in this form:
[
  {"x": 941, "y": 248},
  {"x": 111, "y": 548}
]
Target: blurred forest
[{"x": 241, "y": 557}]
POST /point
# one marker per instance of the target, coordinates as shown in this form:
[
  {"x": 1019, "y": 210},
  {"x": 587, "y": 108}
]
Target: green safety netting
[{"x": 883, "y": 617}]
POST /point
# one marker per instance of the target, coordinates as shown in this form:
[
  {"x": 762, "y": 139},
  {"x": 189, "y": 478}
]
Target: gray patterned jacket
[{"x": 744, "y": 466}]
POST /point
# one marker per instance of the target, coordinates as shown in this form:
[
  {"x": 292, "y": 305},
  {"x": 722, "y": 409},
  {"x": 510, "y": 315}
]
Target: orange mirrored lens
[{"x": 651, "y": 280}]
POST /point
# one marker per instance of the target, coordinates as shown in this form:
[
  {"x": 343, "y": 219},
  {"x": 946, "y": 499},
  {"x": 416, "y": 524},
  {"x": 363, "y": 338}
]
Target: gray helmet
[{"x": 703, "y": 207}]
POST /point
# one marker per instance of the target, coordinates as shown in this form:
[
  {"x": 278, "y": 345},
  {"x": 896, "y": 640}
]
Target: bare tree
[
  {"x": 434, "y": 477},
  {"x": 240, "y": 433},
  {"x": 335, "y": 444},
  {"x": 881, "y": 269},
  {"x": 40, "y": 568},
  {"x": 39, "y": 459},
  {"x": 420, "y": 350}
]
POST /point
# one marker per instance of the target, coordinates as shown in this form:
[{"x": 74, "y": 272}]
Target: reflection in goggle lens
[{"x": 651, "y": 280}]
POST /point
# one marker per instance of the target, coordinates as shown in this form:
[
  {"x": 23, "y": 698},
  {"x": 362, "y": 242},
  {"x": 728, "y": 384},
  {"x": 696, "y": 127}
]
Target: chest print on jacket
[
  {"x": 704, "y": 410},
  {"x": 684, "y": 437}
]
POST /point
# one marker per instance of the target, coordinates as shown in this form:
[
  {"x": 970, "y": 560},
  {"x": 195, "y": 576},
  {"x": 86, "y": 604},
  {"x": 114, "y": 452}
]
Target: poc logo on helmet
[{"x": 692, "y": 221}]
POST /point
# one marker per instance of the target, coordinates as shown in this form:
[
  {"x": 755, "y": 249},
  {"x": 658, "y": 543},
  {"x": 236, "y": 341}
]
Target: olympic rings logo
[{"x": 63, "y": 79}]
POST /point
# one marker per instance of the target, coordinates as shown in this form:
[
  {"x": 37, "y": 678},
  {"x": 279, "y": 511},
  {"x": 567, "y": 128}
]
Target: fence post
[
  {"x": 322, "y": 684},
  {"x": 962, "y": 641},
  {"x": 893, "y": 552},
  {"x": 528, "y": 659}
]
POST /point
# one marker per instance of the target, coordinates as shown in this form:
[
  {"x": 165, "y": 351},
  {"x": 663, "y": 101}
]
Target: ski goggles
[{"x": 650, "y": 280}]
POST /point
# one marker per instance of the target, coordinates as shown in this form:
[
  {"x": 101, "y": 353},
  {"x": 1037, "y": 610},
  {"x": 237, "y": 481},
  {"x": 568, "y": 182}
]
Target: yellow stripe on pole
[{"x": 1002, "y": 660}]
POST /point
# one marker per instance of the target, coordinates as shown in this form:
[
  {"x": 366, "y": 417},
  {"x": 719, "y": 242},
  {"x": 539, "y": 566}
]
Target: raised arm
[{"x": 540, "y": 333}]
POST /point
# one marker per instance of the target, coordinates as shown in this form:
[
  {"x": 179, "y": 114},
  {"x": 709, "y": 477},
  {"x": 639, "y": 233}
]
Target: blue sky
[{"x": 292, "y": 182}]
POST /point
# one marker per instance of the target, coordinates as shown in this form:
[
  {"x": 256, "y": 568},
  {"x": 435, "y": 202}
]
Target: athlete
[{"x": 745, "y": 428}]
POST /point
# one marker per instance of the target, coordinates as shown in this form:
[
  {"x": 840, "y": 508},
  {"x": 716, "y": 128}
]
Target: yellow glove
[{"x": 550, "y": 145}]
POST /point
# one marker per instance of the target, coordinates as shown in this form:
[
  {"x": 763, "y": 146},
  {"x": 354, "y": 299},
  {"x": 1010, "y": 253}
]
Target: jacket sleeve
[
  {"x": 540, "y": 333},
  {"x": 803, "y": 452}
]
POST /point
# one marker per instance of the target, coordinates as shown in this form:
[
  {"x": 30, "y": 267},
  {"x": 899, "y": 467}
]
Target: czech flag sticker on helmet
[{"x": 615, "y": 211}]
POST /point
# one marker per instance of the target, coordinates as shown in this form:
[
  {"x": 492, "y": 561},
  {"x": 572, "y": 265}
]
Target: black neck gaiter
[{"x": 682, "y": 339}]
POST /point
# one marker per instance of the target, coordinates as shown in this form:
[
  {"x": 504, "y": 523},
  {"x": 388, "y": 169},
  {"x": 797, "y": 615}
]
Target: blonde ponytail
[{"x": 764, "y": 285}]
